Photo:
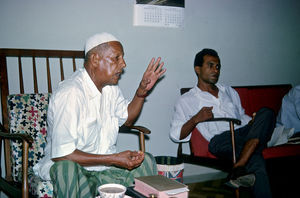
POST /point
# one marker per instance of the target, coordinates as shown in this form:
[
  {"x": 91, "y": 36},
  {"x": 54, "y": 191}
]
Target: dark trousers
[{"x": 262, "y": 129}]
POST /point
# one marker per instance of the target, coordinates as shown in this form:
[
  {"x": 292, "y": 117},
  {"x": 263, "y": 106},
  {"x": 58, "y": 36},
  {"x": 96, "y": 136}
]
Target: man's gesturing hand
[{"x": 153, "y": 72}]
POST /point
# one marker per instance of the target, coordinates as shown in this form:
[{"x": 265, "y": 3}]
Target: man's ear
[
  {"x": 95, "y": 58},
  {"x": 197, "y": 70}
]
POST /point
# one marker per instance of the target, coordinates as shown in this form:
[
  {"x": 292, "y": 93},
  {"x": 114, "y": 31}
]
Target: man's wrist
[
  {"x": 142, "y": 95},
  {"x": 194, "y": 121}
]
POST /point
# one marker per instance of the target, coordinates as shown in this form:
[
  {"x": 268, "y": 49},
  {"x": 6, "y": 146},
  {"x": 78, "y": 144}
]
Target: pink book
[{"x": 161, "y": 186}]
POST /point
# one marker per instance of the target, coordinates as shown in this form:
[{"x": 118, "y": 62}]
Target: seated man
[
  {"x": 289, "y": 114},
  {"x": 84, "y": 116},
  {"x": 210, "y": 99}
]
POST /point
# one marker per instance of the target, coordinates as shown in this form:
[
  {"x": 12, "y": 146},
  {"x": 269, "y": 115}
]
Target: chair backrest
[
  {"x": 27, "y": 114},
  {"x": 40, "y": 60}
]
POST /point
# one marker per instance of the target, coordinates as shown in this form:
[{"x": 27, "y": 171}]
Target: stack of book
[{"x": 160, "y": 186}]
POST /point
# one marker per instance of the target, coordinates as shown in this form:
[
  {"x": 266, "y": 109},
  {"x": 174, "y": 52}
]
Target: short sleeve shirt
[
  {"x": 289, "y": 114},
  {"x": 80, "y": 117},
  {"x": 227, "y": 104}
]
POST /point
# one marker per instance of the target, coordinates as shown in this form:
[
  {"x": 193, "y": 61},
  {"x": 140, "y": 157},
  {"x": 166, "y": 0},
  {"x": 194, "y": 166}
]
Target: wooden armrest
[
  {"x": 5, "y": 135},
  {"x": 235, "y": 121},
  {"x": 142, "y": 130},
  {"x": 128, "y": 129},
  {"x": 16, "y": 136},
  {"x": 26, "y": 139}
]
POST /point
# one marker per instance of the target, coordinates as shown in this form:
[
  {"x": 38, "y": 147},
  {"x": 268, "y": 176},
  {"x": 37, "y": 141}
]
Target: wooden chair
[
  {"x": 204, "y": 157},
  {"x": 23, "y": 128}
]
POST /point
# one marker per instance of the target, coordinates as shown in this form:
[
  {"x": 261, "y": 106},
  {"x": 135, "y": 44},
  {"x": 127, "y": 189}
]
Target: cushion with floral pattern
[{"x": 28, "y": 114}]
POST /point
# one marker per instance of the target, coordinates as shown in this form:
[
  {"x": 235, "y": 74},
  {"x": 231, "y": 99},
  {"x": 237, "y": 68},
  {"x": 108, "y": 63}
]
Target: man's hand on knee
[{"x": 129, "y": 159}]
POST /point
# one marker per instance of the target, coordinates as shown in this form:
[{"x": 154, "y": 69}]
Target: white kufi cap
[{"x": 98, "y": 39}]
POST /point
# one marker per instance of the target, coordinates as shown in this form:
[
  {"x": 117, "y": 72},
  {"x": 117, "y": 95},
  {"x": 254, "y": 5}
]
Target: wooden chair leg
[
  {"x": 237, "y": 192},
  {"x": 25, "y": 170},
  {"x": 142, "y": 142},
  {"x": 233, "y": 142}
]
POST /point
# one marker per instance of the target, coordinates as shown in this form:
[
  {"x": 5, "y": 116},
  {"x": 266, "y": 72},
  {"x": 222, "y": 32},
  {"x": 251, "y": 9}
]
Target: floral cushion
[
  {"x": 28, "y": 114},
  {"x": 39, "y": 187}
]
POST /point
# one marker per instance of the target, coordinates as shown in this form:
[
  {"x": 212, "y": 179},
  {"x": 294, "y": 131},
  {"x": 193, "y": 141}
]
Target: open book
[{"x": 161, "y": 186}]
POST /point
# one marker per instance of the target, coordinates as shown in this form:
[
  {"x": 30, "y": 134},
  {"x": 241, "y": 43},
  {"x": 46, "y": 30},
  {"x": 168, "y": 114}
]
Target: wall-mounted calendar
[{"x": 159, "y": 13}]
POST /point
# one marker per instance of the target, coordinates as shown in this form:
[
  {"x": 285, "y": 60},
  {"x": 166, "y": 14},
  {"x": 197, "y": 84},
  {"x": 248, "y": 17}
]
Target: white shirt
[
  {"x": 289, "y": 114},
  {"x": 227, "y": 104},
  {"x": 80, "y": 117}
]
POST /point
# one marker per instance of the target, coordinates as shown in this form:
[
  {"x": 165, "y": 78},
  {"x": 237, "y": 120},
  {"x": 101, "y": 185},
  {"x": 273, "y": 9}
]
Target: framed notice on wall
[{"x": 159, "y": 13}]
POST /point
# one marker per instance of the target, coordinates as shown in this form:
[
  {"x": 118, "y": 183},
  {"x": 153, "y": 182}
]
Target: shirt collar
[
  {"x": 91, "y": 87},
  {"x": 220, "y": 87}
]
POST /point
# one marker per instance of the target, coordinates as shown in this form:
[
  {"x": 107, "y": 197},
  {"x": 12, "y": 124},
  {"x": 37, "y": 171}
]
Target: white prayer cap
[{"x": 98, "y": 39}]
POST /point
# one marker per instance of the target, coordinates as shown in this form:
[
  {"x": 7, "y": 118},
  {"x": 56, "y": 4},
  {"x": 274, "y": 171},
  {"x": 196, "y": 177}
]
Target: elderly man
[
  {"x": 210, "y": 99},
  {"x": 84, "y": 116}
]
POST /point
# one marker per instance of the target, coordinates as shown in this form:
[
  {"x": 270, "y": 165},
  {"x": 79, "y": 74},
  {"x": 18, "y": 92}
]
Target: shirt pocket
[{"x": 90, "y": 134}]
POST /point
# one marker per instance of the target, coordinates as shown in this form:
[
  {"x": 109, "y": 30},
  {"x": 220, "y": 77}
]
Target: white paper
[
  {"x": 280, "y": 136},
  {"x": 176, "y": 191}
]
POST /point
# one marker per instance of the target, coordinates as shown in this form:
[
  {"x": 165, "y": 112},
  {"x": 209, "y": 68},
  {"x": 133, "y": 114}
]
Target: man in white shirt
[
  {"x": 84, "y": 116},
  {"x": 209, "y": 99},
  {"x": 289, "y": 114}
]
